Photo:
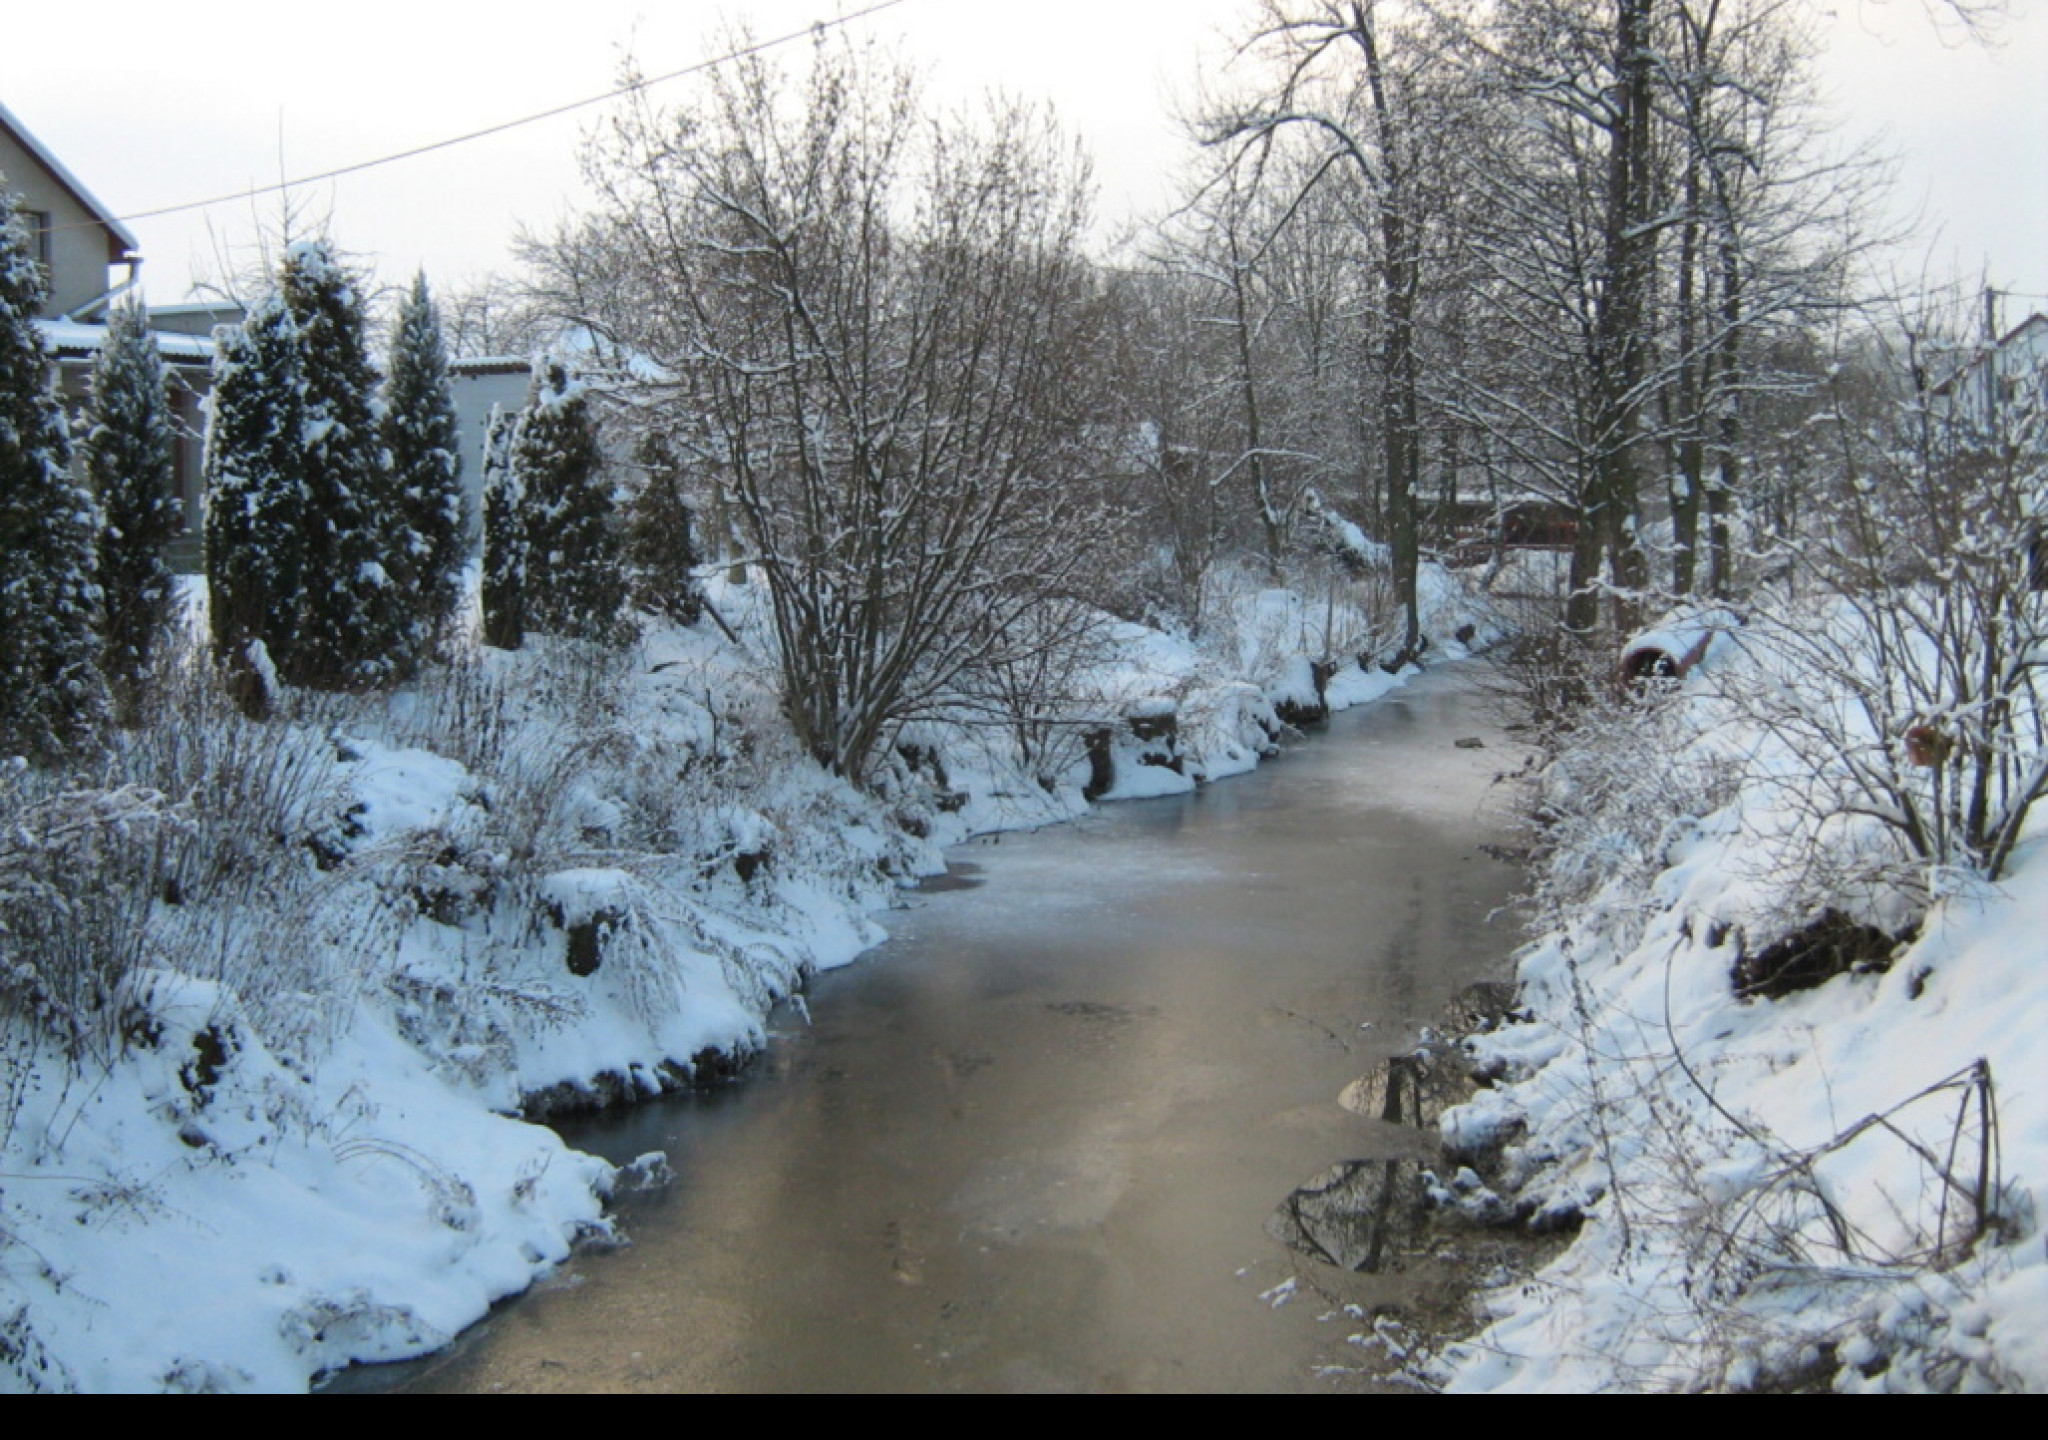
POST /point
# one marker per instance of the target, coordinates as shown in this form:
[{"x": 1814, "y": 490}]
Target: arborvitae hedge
[
  {"x": 131, "y": 464},
  {"x": 422, "y": 446},
  {"x": 53, "y": 704}
]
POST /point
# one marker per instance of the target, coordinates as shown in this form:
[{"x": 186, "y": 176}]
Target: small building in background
[
  {"x": 92, "y": 260},
  {"x": 481, "y": 387},
  {"x": 2002, "y": 382}
]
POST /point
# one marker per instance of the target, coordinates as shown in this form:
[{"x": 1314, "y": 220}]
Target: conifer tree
[
  {"x": 422, "y": 447},
  {"x": 575, "y": 581},
  {"x": 661, "y": 540},
  {"x": 302, "y": 544},
  {"x": 255, "y": 549},
  {"x": 131, "y": 464},
  {"x": 353, "y": 626},
  {"x": 505, "y": 538},
  {"x": 53, "y": 704}
]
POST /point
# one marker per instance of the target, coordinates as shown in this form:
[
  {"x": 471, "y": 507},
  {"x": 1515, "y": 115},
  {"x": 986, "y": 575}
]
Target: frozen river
[{"x": 1034, "y": 1142}]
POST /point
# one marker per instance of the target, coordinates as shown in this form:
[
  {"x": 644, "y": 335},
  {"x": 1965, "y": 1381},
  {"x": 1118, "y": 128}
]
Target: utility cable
[{"x": 816, "y": 27}]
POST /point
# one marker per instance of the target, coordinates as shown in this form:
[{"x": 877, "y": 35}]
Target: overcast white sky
[{"x": 153, "y": 105}]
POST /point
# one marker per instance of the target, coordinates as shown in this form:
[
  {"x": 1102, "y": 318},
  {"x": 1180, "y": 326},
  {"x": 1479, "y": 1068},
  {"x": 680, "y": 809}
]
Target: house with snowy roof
[
  {"x": 91, "y": 260},
  {"x": 2002, "y": 380}
]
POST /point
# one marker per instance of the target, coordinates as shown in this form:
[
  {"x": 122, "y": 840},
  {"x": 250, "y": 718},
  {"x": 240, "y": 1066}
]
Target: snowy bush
[
  {"x": 231, "y": 897},
  {"x": 1035, "y": 687},
  {"x": 1899, "y": 665},
  {"x": 67, "y": 950},
  {"x": 1774, "y": 1190},
  {"x": 422, "y": 442},
  {"x": 53, "y": 703},
  {"x": 881, "y": 352},
  {"x": 130, "y": 461},
  {"x": 575, "y": 568},
  {"x": 203, "y": 838},
  {"x": 1629, "y": 788},
  {"x": 308, "y": 551}
]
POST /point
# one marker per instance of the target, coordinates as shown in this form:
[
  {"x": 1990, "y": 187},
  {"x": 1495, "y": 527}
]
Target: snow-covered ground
[
  {"x": 1836, "y": 1188},
  {"x": 553, "y": 877}
]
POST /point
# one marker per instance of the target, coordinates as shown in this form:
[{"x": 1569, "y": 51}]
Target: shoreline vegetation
[{"x": 382, "y": 924}]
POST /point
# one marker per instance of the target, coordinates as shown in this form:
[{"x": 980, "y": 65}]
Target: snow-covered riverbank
[
  {"x": 553, "y": 877},
  {"x": 1808, "y": 1153}
]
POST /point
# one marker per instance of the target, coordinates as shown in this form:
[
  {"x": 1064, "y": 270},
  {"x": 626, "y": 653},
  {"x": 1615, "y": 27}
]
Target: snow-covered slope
[
  {"x": 1836, "y": 1187},
  {"x": 562, "y": 876}
]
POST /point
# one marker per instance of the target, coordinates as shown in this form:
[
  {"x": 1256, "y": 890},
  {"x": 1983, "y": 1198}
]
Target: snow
[
  {"x": 1136, "y": 780},
  {"x": 236, "y": 1242},
  {"x": 77, "y": 337},
  {"x": 1708, "y": 1139},
  {"x": 401, "y": 790},
  {"x": 1296, "y": 684},
  {"x": 1705, "y": 631},
  {"x": 1354, "y": 686},
  {"x": 557, "y": 873}
]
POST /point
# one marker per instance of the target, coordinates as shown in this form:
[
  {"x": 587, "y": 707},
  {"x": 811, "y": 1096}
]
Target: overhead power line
[{"x": 817, "y": 27}]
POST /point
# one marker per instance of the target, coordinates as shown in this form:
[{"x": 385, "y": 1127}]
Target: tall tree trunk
[
  {"x": 1400, "y": 281},
  {"x": 1629, "y": 250},
  {"x": 1271, "y": 521},
  {"x": 1728, "y": 438},
  {"x": 1582, "y": 598},
  {"x": 1688, "y": 471}
]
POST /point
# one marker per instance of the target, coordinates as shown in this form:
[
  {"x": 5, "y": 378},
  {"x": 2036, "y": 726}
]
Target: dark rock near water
[
  {"x": 1101, "y": 765},
  {"x": 614, "y": 1089},
  {"x": 1150, "y": 735},
  {"x": 1832, "y": 945}
]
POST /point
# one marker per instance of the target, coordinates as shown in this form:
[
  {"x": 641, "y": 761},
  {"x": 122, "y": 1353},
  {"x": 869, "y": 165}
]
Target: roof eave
[{"x": 121, "y": 242}]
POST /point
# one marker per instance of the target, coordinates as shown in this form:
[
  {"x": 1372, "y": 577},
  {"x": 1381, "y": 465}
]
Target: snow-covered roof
[
  {"x": 492, "y": 365},
  {"x": 73, "y": 339},
  {"x": 27, "y": 141},
  {"x": 2031, "y": 330},
  {"x": 593, "y": 356}
]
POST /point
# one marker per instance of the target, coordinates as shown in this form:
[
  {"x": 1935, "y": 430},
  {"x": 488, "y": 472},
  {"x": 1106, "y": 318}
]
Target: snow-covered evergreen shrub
[
  {"x": 130, "y": 462},
  {"x": 307, "y": 551},
  {"x": 255, "y": 555},
  {"x": 505, "y": 540},
  {"x": 354, "y": 627},
  {"x": 660, "y": 536},
  {"x": 575, "y": 581},
  {"x": 53, "y": 703},
  {"x": 422, "y": 445}
]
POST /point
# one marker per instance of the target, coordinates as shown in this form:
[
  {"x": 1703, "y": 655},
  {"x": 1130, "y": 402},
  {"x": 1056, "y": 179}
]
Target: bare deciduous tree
[
  {"x": 1913, "y": 632},
  {"x": 1367, "y": 115},
  {"x": 868, "y": 327}
]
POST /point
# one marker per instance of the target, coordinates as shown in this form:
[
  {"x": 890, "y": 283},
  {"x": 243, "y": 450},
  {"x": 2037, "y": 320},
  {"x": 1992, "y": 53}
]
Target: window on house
[{"x": 44, "y": 225}]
